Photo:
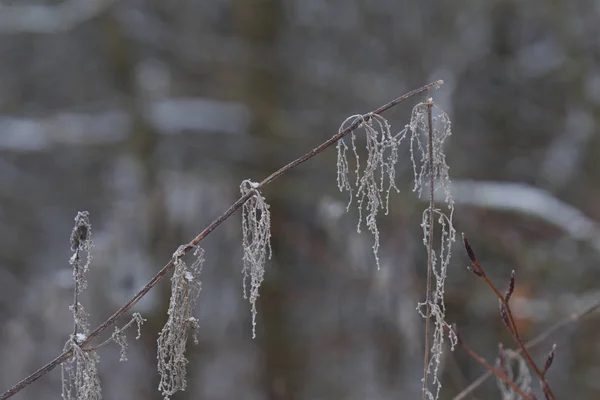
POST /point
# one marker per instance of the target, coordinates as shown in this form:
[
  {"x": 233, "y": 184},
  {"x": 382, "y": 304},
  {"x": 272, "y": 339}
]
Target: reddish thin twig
[
  {"x": 192, "y": 244},
  {"x": 492, "y": 370},
  {"x": 507, "y": 315},
  {"x": 532, "y": 343}
]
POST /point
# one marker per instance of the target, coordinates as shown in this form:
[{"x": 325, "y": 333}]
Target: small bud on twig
[
  {"x": 469, "y": 249},
  {"x": 549, "y": 360},
  {"x": 504, "y": 316},
  {"x": 474, "y": 271},
  {"x": 511, "y": 287}
]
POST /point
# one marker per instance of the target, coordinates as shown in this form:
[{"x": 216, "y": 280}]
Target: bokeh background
[{"x": 149, "y": 113}]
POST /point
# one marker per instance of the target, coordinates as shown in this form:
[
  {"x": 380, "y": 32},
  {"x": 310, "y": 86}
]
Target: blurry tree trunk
[{"x": 152, "y": 234}]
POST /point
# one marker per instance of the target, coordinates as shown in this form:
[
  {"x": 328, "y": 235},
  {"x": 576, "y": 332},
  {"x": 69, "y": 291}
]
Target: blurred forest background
[{"x": 149, "y": 113}]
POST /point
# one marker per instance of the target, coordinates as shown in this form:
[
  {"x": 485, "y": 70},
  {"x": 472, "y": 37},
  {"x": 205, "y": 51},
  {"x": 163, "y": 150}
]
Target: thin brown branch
[
  {"x": 512, "y": 326},
  {"x": 571, "y": 319},
  {"x": 234, "y": 207},
  {"x": 430, "y": 249},
  {"x": 492, "y": 370},
  {"x": 111, "y": 339}
]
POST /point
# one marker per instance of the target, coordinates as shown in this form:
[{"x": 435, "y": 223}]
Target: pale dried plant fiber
[
  {"x": 256, "y": 243},
  {"x": 423, "y": 174},
  {"x": 80, "y": 379},
  {"x": 419, "y": 142},
  {"x": 172, "y": 340},
  {"x": 120, "y": 338},
  {"x": 376, "y": 179},
  {"x": 81, "y": 241},
  {"x": 517, "y": 370},
  {"x": 79, "y": 374}
]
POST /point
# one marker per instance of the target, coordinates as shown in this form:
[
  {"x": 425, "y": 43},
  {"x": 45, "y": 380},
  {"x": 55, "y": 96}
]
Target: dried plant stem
[
  {"x": 509, "y": 320},
  {"x": 123, "y": 329},
  {"x": 75, "y": 302},
  {"x": 430, "y": 250},
  {"x": 81, "y": 240},
  {"x": 192, "y": 245},
  {"x": 571, "y": 319}
]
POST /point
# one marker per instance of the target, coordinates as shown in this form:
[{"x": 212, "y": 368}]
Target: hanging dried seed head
[
  {"x": 377, "y": 177},
  {"x": 256, "y": 243},
  {"x": 80, "y": 379},
  {"x": 172, "y": 340}
]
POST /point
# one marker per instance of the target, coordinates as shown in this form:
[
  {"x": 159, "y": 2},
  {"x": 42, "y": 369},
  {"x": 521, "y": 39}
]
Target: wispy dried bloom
[
  {"x": 437, "y": 306},
  {"x": 185, "y": 288},
  {"x": 238, "y": 204},
  {"x": 79, "y": 374},
  {"x": 419, "y": 127},
  {"x": 431, "y": 170},
  {"x": 256, "y": 242},
  {"x": 516, "y": 369},
  {"x": 378, "y": 175},
  {"x": 81, "y": 237},
  {"x": 120, "y": 338},
  {"x": 80, "y": 379},
  {"x": 81, "y": 240}
]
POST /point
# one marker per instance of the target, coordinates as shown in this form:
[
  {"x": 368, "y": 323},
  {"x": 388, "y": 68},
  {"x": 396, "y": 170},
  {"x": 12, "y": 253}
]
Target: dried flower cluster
[
  {"x": 256, "y": 243},
  {"x": 515, "y": 367},
  {"x": 377, "y": 178},
  {"x": 81, "y": 241},
  {"x": 80, "y": 378},
  {"x": 428, "y": 133},
  {"x": 172, "y": 340},
  {"x": 378, "y": 175},
  {"x": 374, "y": 180},
  {"x": 120, "y": 338}
]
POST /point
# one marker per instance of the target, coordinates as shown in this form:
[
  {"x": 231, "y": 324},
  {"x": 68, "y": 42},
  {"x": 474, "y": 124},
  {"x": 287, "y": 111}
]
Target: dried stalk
[
  {"x": 192, "y": 244},
  {"x": 430, "y": 250}
]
